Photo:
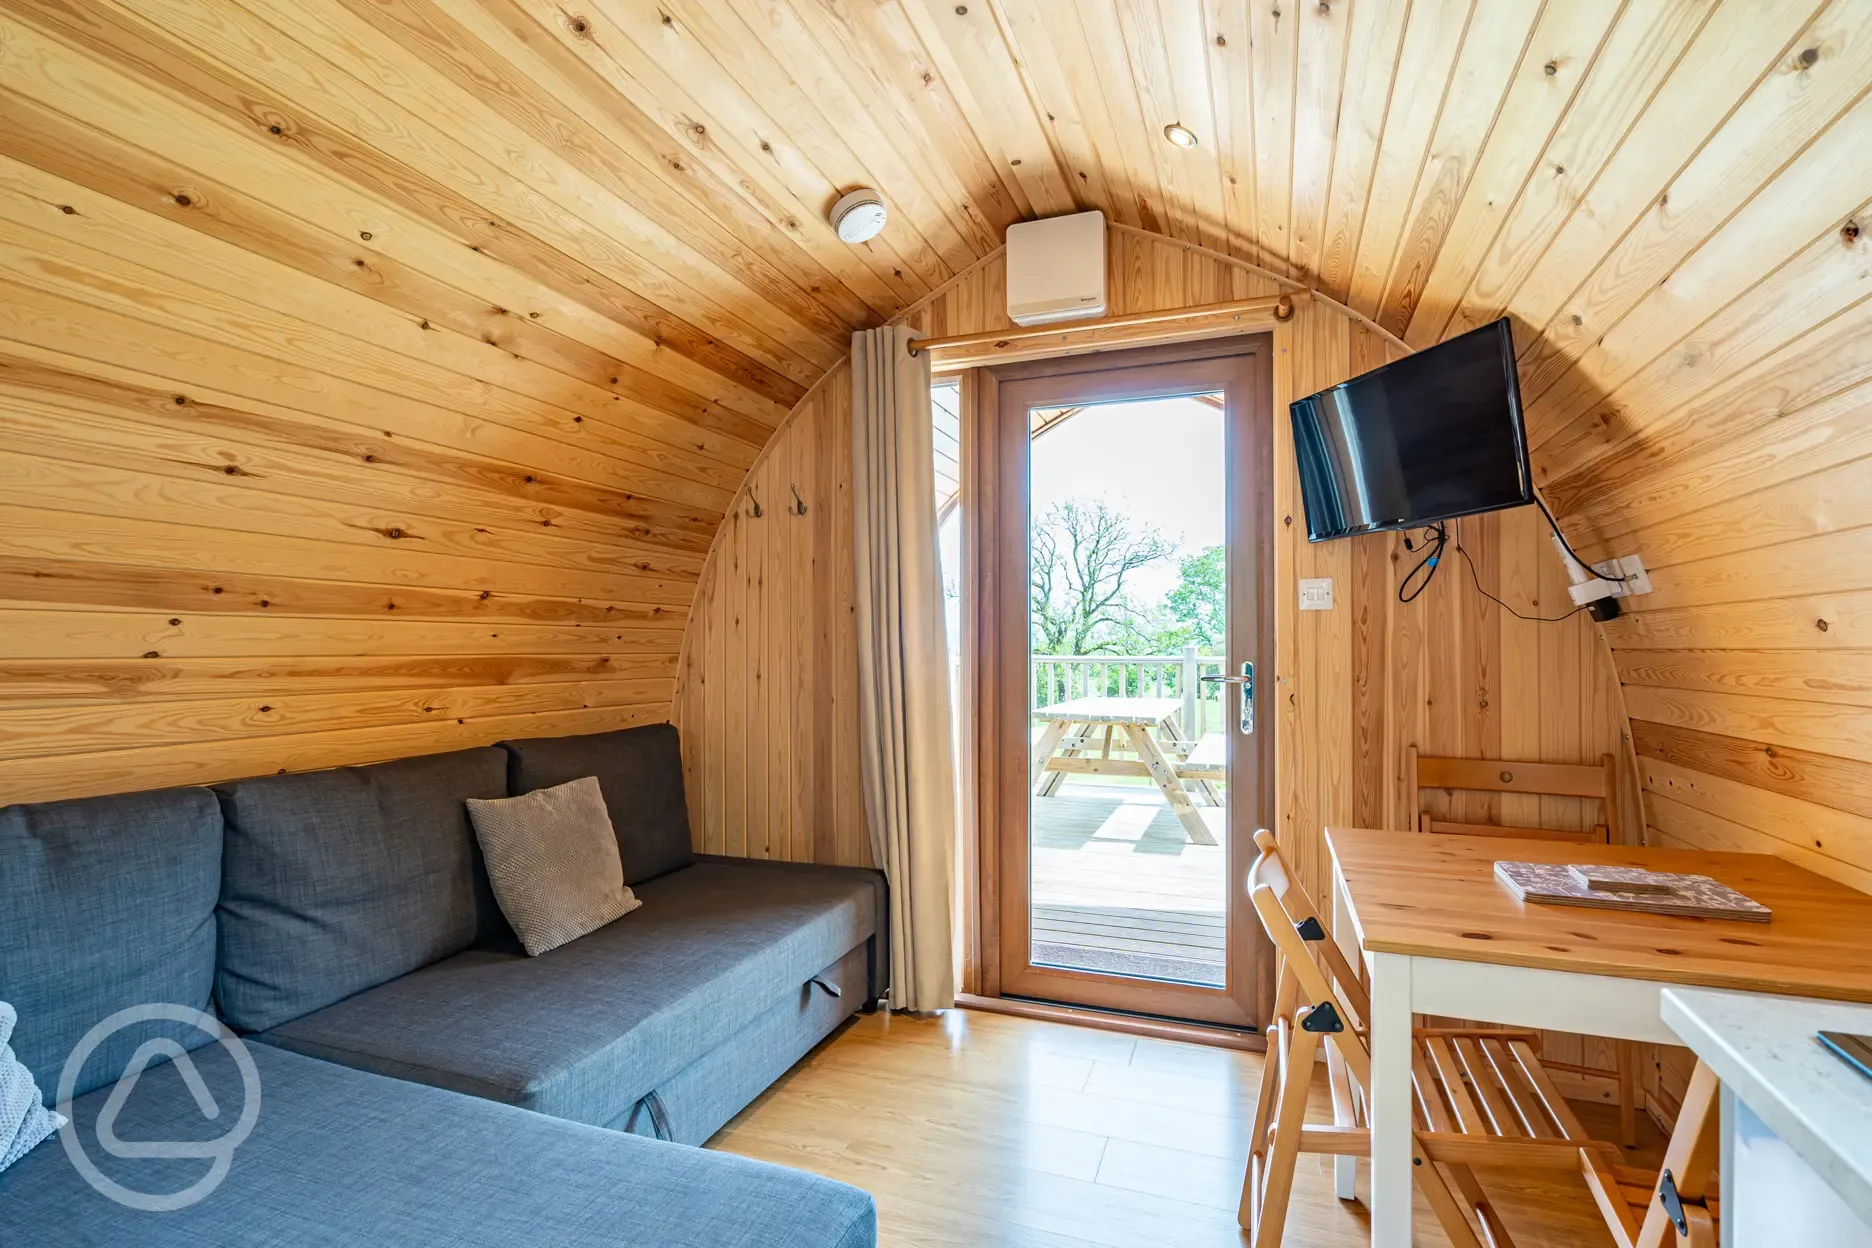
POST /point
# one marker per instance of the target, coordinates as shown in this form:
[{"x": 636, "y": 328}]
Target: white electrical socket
[
  {"x": 1631, "y": 567},
  {"x": 1316, "y": 593}
]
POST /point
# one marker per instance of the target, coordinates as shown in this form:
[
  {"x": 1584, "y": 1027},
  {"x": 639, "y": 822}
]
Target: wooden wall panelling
[
  {"x": 1354, "y": 686},
  {"x": 481, "y": 312}
]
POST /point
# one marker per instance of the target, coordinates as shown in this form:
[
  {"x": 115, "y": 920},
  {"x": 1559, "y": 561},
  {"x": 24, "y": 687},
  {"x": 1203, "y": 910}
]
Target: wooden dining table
[{"x": 1439, "y": 934}]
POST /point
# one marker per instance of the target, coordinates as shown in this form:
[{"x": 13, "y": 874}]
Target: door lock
[{"x": 1247, "y": 682}]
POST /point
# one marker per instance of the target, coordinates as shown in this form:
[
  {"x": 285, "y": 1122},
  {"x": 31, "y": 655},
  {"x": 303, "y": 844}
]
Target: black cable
[
  {"x": 1436, "y": 537},
  {"x": 1532, "y": 619},
  {"x": 1555, "y": 524}
]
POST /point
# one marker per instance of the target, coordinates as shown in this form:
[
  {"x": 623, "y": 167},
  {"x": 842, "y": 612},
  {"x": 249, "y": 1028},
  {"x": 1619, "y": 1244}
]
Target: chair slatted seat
[{"x": 1482, "y": 1096}]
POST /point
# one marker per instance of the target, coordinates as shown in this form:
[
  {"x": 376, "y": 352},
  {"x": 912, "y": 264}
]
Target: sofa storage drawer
[{"x": 700, "y": 1099}]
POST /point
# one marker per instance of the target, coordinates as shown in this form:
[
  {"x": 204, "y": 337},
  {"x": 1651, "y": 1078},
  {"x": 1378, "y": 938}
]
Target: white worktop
[{"x": 1765, "y": 1052}]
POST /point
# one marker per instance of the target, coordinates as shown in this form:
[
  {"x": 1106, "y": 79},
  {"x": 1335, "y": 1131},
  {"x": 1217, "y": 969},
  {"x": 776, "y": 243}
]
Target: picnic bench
[{"x": 1080, "y": 736}]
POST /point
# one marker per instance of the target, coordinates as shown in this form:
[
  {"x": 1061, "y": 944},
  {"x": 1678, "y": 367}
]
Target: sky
[{"x": 1160, "y": 462}]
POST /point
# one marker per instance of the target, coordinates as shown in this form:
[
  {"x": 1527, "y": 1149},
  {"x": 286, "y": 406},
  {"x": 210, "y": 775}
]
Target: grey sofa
[{"x": 341, "y": 922}]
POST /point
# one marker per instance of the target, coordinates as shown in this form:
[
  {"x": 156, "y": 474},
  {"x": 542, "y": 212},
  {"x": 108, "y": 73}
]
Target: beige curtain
[{"x": 903, "y": 662}]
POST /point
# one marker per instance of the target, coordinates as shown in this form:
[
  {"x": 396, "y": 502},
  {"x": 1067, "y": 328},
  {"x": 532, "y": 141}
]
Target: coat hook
[
  {"x": 757, "y": 506},
  {"x": 799, "y": 504}
]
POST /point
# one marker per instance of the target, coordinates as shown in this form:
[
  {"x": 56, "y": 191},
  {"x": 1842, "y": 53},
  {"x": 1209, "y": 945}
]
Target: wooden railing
[{"x": 1058, "y": 677}]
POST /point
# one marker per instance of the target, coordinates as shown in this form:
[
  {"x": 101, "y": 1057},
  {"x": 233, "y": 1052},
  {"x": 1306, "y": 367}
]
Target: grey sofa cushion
[
  {"x": 342, "y": 1158},
  {"x": 106, "y": 903},
  {"x": 640, "y": 770},
  {"x": 336, "y": 881},
  {"x": 585, "y": 1030}
]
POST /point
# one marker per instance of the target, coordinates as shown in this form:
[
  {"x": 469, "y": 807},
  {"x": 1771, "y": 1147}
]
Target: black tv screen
[{"x": 1430, "y": 437}]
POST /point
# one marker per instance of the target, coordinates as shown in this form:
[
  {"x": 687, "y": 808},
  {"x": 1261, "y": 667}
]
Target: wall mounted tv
[{"x": 1430, "y": 437}]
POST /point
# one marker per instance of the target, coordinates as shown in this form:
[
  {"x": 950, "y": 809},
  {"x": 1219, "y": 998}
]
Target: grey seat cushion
[
  {"x": 106, "y": 903},
  {"x": 340, "y": 1157},
  {"x": 337, "y": 881},
  {"x": 585, "y": 1030},
  {"x": 640, "y": 771}
]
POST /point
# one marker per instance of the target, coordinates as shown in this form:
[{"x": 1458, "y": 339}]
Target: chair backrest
[
  {"x": 1285, "y": 909},
  {"x": 1488, "y": 775}
]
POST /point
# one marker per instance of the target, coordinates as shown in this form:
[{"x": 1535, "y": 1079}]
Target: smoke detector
[{"x": 859, "y": 216}]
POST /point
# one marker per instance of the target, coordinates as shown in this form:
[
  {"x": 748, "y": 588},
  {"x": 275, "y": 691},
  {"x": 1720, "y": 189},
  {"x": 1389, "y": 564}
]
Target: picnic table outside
[{"x": 1082, "y": 734}]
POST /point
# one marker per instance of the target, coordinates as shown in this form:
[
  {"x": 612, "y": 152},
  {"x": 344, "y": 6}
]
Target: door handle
[{"x": 1247, "y": 681}]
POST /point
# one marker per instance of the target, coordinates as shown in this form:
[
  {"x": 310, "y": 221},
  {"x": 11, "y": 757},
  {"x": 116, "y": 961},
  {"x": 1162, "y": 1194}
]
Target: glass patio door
[{"x": 1132, "y": 509}]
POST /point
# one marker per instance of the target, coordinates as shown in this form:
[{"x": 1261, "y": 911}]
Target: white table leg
[
  {"x": 1345, "y": 1166},
  {"x": 1389, "y": 1100}
]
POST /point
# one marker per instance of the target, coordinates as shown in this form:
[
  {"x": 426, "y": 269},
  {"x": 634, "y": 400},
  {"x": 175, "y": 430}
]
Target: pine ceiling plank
[
  {"x": 1031, "y": 36},
  {"x": 1749, "y": 514},
  {"x": 1134, "y": 172},
  {"x": 1825, "y": 277},
  {"x": 96, "y": 281},
  {"x": 1374, "y": 42},
  {"x": 163, "y": 124},
  {"x": 1185, "y": 92},
  {"x": 794, "y": 55},
  {"x": 1842, "y": 731},
  {"x": 78, "y": 682},
  {"x": 1148, "y": 65},
  {"x": 882, "y": 53},
  {"x": 1843, "y": 837},
  {"x": 1761, "y": 143},
  {"x": 1787, "y": 414},
  {"x": 1826, "y": 564},
  {"x": 555, "y": 99},
  {"x": 1426, "y": 60},
  {"x": 100, "y": 177},
  {"x": 100, "y": 435},
  {"x": 1840, "y": 676},
  {"x": 1579, "y": 55},
  {"x": 1654, "y": 54},
  {"x": 117, "y": 479},
  {"x": 1496, "y": 54},
  {"x": 1319, "y": 91},
  {"x": 1789, "y": 623},
  {"x": 146, "y": 244},
  {"x": 118, "y": 771},
  {"x": 1231, "y": 115},
  {"x": 1273, "y": 40},
  {"x": 1741, "y": 46},
  {"x": 72, "y": 332},
  {"x": 361, "y": 629},
  {"x": 370, "y": 86},
  {"x": 29, "y": 376},
  {"x": 982, "y": 70},
  {"x": 723, "y": 138},
  {"x": 63, "y": 730},
  {"x": 32, "y": 532}
]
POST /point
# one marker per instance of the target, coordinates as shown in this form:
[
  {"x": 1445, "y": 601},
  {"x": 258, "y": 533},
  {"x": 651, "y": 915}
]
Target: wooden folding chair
[
  {"x": 1677, "y": 1205},
  {"x": 1491, "y": 775},
  {"x": 1482, "y": 1096},
  {"x": 1487, "y": 775}
]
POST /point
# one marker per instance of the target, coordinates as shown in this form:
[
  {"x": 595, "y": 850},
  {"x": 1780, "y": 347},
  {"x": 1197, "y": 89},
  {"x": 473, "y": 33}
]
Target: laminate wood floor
[{"x": 1001, "y": 1132}]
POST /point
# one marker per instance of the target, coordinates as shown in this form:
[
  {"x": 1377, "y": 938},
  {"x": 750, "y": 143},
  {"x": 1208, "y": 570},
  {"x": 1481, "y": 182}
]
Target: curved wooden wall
[{"x": 769, "y": 669}]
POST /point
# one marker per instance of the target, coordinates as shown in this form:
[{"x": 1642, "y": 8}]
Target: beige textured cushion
[{"x": 553, "y": 860}]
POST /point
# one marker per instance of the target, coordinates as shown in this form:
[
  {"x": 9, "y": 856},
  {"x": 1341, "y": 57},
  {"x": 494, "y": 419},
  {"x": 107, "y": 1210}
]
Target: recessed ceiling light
[
  {"x": 859, "y": 216},
  {"x": 1180, "y": 134}
]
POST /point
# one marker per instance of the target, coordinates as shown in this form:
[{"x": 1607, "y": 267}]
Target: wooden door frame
[{"x": 995, "y": 694}]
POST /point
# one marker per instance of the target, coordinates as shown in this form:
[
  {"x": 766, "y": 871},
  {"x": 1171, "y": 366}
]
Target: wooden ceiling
[
  {"x": 598, "y": 182},
  {"x": 481, "y": 310}
]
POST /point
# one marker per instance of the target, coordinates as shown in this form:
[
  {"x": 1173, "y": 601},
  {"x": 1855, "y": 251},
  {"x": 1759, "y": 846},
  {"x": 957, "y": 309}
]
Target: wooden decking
[{"x": 1118, "y": 887}]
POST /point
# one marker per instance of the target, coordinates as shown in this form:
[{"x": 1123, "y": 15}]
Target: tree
[
  {"x": 1199, "y": 603},
  {"x": 1083, "y": 554}
]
